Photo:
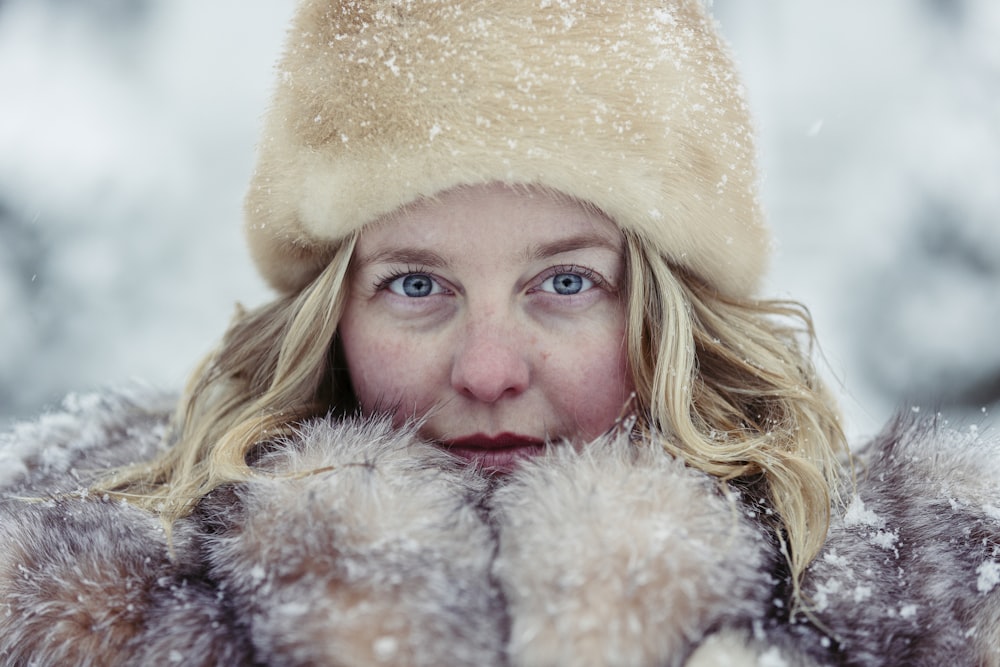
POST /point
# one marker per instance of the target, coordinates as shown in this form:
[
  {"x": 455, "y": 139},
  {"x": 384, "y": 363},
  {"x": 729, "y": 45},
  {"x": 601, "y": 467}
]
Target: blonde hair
[
  {"x": 730, "y": 386},
  {"x": 724, "y": 381},
  {"x": 274, "y": 368}
]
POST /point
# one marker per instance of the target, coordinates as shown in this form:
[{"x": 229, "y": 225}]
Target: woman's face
[{"x": 496, "y": 315}]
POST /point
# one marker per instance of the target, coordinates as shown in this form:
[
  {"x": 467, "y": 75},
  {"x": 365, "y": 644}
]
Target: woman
[{"x": 516, "y": 402}]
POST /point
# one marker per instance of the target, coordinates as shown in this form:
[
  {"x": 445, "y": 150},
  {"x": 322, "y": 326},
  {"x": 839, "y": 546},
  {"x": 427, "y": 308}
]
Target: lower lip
[{"x": 499, "y": 460}]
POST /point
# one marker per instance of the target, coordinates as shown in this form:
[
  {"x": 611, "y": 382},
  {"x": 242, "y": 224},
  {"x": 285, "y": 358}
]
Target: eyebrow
[
  {"x": 418, "y": 256},
  {"x": 579, "y": 242}
]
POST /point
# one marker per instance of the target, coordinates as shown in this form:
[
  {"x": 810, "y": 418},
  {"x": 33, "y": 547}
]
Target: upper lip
[{"x": 500, "y": 441}]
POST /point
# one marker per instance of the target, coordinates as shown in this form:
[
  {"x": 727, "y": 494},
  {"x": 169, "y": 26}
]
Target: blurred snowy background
[{"x": 127, "y": 130}]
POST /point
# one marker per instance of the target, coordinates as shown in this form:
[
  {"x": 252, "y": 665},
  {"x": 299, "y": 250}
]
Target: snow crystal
[
  {"x": 858, "y": 515},
  {"x": 989, "y": 576},
  {"x": 391, "y": 64},
  {"x": 835, "y": 559},
  {"x": 862, "y": 593},
  {"x": 908, "y": 611},
  {"x": 385, "y": 648},
  {"x": 771, "y": 658},
  {"x": 664, "y": 17},
  {"x": 823, "y": 591},
  {"x": 885, "y": 539},
  {"x": 721, "y": 185}
]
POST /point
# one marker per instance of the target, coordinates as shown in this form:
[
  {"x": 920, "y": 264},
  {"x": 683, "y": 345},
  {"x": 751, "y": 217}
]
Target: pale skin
[{"x": 496, "y": 315}]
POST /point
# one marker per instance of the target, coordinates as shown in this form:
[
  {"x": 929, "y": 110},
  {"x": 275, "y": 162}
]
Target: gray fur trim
[
  {"x": 910, "y": 569},
  {"x": 379, "y": 558},
  {"x": 90, "y": 582},
  {"x": 90, "y": 433},
  {"x": 355, "y": 544}
]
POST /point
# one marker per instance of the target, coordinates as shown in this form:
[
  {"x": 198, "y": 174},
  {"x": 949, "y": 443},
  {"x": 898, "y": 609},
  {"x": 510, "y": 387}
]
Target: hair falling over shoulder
[
  {"x": 730, "y": 384},
  {"x": 274, "y": 368}
]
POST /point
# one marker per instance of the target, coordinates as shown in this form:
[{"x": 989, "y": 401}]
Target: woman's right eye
[{"x": 414, "y": 285}]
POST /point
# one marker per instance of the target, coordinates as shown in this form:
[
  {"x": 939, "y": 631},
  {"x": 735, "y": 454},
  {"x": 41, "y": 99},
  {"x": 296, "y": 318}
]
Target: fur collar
[{"x": 357, "y": 545}]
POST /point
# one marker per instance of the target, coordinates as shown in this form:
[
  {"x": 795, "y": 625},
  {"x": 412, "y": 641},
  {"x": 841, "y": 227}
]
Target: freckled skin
[{"x": 495, "y": 347}]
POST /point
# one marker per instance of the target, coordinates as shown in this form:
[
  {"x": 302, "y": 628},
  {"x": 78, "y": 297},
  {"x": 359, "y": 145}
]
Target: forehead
[{"x": 493, "y": 217}]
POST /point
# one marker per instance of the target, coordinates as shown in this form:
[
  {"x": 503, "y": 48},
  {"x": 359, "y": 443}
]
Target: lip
[{"x": 497, "y": 453}]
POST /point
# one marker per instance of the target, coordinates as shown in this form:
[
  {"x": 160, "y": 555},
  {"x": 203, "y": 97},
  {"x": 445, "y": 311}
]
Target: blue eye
[
  {"x": 414, "y": 285},
  {"x": 567, "y": 284}
]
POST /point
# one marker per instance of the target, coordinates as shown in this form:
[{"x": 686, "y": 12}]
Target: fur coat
[{"x": 358, "y": 545}]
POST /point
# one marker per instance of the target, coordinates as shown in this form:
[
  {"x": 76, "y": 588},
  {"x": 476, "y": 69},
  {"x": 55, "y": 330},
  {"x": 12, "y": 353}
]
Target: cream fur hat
[{"x": 631, "y": 105}]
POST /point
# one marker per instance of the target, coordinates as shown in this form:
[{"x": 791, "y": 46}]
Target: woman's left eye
[{"x": 566, "y": 284}]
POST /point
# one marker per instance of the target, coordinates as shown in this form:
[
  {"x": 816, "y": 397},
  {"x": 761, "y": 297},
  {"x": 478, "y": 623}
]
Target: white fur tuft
[{"x": 621, "y": 556}]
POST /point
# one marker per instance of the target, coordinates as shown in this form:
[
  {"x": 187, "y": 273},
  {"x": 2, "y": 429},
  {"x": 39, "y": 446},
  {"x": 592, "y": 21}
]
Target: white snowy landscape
[{"x": 127, "y": 132}]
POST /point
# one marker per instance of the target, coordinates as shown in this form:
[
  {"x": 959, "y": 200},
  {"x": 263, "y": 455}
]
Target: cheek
[
  {"x": 368, "y": 378},
  {"x": 385, "y": 371},
  {"x": 591, "y": 384}
]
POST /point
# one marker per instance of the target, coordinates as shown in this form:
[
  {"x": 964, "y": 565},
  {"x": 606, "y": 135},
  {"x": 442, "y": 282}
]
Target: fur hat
[{"x": 630, "y": 105}]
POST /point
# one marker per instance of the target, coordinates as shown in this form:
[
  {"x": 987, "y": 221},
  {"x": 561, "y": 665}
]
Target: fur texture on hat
[{"x": 630, "y": 105}]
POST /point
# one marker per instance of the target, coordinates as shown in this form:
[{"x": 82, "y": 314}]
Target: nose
[{"x": 490, "y": 361}]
